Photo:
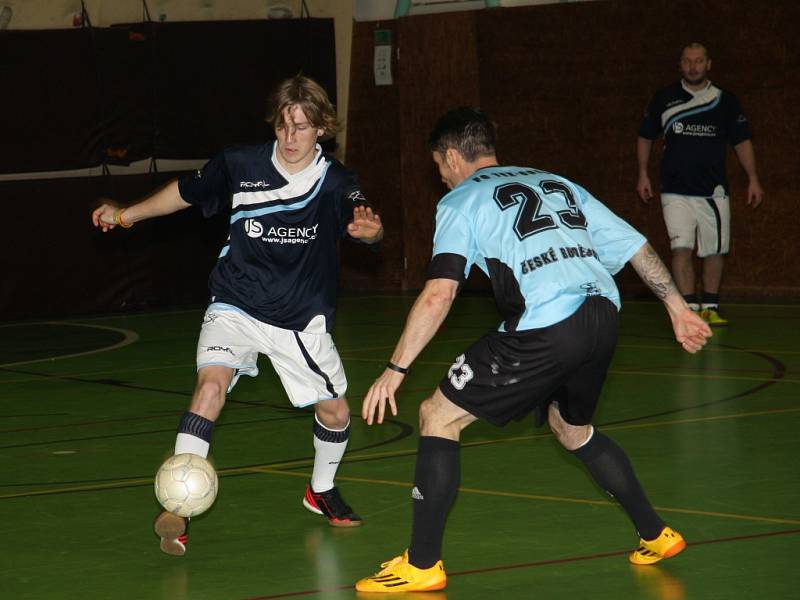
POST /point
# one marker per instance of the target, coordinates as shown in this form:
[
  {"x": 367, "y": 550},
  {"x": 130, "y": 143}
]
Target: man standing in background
[{"x": 697, "y": 119}]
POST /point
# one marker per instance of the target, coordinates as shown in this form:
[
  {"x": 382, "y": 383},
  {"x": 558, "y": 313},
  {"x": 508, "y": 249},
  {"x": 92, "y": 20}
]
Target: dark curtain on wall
[
  {"x": 78, "y": 98},
  {"x": 85, "y": 97}
]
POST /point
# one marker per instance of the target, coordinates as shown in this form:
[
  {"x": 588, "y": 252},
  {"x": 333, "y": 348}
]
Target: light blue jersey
[{"x": 545, "y": 242}]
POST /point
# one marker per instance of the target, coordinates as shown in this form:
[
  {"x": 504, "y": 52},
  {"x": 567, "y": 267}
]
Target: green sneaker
[{"x": 712, "y": 317}]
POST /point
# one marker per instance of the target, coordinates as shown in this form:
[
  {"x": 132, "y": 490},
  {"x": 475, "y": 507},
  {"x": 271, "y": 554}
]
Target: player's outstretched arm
[
  {"x": 424, "y": 319},
  {"x": 366, "y": 225},
  {"x": 164, "y": 201},
  {"x": 690, "y": 330}
]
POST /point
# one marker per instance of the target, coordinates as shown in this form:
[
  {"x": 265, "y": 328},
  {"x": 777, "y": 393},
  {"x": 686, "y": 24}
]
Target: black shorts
[{"x": 505, "y": 376}]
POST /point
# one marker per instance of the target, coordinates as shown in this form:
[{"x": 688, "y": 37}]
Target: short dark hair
[
  {"x": 695, "y": 46},
  {"x": 468, "y": 130}
]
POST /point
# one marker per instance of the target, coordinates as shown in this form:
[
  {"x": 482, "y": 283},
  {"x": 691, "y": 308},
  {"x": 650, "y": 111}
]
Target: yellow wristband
[{"x": 118, "y": 219}]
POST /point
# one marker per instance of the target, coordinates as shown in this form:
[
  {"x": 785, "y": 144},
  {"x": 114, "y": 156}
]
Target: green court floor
[{"x": 89, "y": 407}]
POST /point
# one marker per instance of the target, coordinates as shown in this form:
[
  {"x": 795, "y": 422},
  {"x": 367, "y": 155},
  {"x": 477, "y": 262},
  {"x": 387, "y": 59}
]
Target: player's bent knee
[
  {"x": 569, "y": 436},
  {"x": 439, "y": 417},
  {"x": 333, "y": 413},
  {"x": 426, "y": 411}
]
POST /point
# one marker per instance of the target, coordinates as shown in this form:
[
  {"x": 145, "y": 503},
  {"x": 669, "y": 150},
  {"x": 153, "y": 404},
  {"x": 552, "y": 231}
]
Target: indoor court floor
[{"x": 89, "y": 408}]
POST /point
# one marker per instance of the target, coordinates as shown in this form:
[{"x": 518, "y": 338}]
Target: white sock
[
  {"x": 187, "y": 443},
  {"x": 329, "y": 445},
  {"x": 586, "y": 441}
]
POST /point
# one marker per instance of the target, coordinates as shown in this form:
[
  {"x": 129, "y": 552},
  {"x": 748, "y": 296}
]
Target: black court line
[
  {"x": 138, "y": 433},
  {"x": 114, "y": 383},
  {"x": 405, "y": 431},
  {"x": 145, "y": 417},
  {"x": 778, "y": 373},
  {"x": 536, "y": 564},
  {"x": 36, "y": 415}
]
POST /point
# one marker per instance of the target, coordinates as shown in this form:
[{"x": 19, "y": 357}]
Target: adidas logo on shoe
[
  {"x": 416, "y": 494},
  {"x": 666, "y": 545},
  {"x": 398, "y": 575}
]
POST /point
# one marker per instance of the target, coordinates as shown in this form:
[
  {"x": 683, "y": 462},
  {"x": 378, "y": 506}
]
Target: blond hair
[{"x": 310, "y": 96}]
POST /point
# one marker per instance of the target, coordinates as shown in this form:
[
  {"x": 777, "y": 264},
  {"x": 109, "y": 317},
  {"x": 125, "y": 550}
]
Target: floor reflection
[{"x": 658, "y": 584}]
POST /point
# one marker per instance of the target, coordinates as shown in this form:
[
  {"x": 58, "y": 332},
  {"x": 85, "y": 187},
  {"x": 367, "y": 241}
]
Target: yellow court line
[
  {"x": 406, "y": 484},
  {"x": 278, "y": 468},
  {"x": 608, "y": 503},
  {"x": 498, "y": 493}
]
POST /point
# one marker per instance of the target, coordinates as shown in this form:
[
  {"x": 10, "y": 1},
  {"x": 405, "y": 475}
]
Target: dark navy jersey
[
  {"x": 697, "y": 126},
  {"x": 280, "y": 261}
]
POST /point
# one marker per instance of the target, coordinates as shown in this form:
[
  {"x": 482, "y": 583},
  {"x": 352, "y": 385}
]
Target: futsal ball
[{"x": 186, "y": 485}]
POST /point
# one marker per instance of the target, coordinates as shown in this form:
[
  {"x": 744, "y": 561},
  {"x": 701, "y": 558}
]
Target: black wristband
[{"x": 394, "y": 367}]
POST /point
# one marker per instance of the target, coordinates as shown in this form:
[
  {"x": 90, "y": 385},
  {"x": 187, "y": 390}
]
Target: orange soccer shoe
[
  {"x": 398, "y": 575},
  {"x": 667, "y": 544}
]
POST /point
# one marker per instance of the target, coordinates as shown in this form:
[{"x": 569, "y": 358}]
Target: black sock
[
  {"x": 195, "y": 425},
  {"x": 435, "y": 485},
  {"x": 690, "y": 298},
  {"x": 710, "y": 300},
  {"x": 610, "y": 468}
]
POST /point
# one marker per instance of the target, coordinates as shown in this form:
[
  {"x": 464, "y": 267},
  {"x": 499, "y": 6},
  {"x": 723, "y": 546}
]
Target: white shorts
[
  {"x": 706, "y": 220},
  {"x": 307, "y": 363}
]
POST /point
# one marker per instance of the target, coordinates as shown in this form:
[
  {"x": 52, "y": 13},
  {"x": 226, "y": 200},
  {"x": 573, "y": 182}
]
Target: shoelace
[
  {"x": 391, "y": 563},
  {"x": 335, "y": 502}
]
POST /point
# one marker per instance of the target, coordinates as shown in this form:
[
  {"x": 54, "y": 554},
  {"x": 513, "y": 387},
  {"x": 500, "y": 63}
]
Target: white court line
[{"x": 130, "y": 338}]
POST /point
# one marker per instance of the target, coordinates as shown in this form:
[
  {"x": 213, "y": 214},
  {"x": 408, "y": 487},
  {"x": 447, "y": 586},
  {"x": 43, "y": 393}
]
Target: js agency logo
[{"x": 253, "y": 228}]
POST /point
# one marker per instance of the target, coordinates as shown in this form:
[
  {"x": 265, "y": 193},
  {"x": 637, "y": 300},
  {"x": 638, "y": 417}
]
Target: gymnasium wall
[
  {"x": 567, "y": 85},
  {"x": 35, "y": 15},
  {"x": 58, "y": 264},
  {"x": 75, "y": 98}
]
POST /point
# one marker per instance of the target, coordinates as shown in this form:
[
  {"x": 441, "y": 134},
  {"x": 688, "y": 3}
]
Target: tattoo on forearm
[{"x": 653, "y": 272}]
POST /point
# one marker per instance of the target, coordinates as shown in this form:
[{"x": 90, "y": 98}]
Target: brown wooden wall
[{"x": 567, "y": 84}]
